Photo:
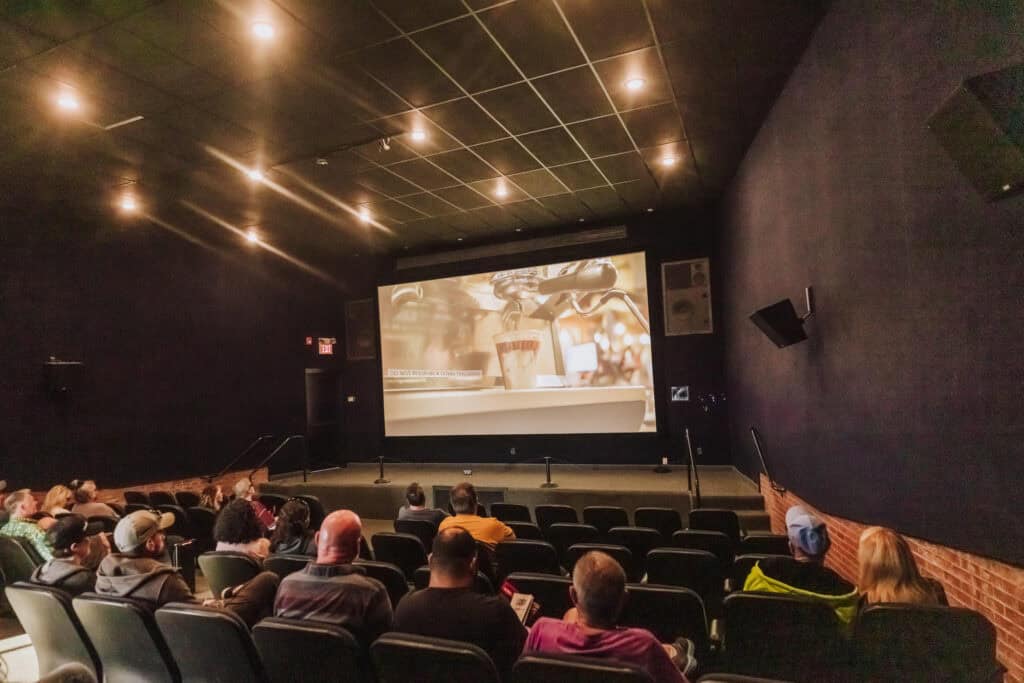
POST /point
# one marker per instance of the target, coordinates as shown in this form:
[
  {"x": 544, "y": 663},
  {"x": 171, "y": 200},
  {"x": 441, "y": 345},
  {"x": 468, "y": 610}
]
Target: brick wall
[
  {"x": 195, "y": 484},
  {"x": 993, "y": 588}
]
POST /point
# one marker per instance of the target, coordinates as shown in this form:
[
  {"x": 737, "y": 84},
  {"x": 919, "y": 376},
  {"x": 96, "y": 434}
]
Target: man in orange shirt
[{"x": 486, "y": 530}]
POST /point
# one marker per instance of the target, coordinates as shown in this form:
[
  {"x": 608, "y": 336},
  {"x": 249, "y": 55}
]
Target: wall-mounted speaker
[
  {"x": 687, "y": 293},
  {"x": 981, "y": 126},
  {"x": 780, "y": 323}
]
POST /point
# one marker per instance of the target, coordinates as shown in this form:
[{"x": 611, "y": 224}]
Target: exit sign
[{"x": 325, "y": 346}]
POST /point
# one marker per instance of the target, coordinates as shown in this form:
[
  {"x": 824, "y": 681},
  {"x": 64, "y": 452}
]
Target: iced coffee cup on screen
[{"x": 518, "y": 351}]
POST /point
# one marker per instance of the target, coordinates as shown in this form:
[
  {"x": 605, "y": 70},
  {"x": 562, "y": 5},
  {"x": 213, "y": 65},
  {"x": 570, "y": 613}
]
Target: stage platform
[{"x": 628, "y": 486}]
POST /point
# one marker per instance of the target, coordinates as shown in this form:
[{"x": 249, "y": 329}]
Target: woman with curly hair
[
  {"x": 292, "y": 534},
  {"x": 238, "y": 530},
  {"x": 212, "y": 498}
]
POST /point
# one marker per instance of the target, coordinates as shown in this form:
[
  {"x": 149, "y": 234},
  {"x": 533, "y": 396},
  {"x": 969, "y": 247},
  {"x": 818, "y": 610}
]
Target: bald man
[{"x": 331, "y": 589}]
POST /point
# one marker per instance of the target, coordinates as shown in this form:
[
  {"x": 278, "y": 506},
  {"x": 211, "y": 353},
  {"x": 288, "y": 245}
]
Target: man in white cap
[
  {"x": 138, "y": 572},
  {"x": 805, "y": 574}
]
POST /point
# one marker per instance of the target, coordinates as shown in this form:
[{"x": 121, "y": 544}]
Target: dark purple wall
[{"x": 905, "y": 406}]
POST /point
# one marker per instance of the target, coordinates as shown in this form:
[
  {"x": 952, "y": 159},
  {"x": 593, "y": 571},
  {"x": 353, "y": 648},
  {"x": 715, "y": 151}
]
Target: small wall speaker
[{"x": 780, "y": 323}]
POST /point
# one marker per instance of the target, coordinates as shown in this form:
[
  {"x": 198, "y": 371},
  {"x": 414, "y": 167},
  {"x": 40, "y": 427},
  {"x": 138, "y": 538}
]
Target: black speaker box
[
  {"x": 981, "y": 126},
  {"x": 781, "y": 323}
]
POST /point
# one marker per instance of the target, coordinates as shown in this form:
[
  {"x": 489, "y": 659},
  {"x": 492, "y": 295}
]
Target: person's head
[
  {"x": 887, "y": 569},
  {"x": 337, "y": 541},
  {"x": 243, "y": 488},
  {"x": 808, "y": 535},
  {"x": 20, "y": 504},
  {"x": 142, "y": 533},
  {"x": 598, "y": 589},
  {"x": 57, "y": 497},
  {"x": 453, "y": 558},
  {"x": 69, "y": 537},
  {"x": 463, "y": 498},
  {"x": 292, "y": 521},
  {"x": 237, "y": 523},
  {"x": 415, "y": 496},
  {"x": 85, "y": 491},
  {"x": 211, "y": 497}
]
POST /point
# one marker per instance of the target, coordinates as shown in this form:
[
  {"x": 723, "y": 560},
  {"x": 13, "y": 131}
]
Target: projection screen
[{"x": 555, "y": 349}]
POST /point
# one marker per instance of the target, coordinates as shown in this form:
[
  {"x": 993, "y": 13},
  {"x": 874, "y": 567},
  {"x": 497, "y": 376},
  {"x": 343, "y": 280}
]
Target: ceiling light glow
[
  {"x": 364, "y": 214},
  {"x": 635, "y": 84},
  {"x": 501, "y": 191},
  {"x": 254, "y": 174},
  {"x": 128, "y": 203},
  {"x": 668, "y": 160},
  {"x": 418, "y": 135},
  {"x": 263, "y": 30},
  {"x": 252, "y": 236},
  {"x": 68, "y": 102},
  {"x": 1006, "y": 187}
]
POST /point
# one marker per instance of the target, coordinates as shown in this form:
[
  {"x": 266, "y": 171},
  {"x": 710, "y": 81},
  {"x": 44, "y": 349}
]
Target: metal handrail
[
  {"x": 287, "y": 440},
  {"x": 693, "y": 465},
  {"x": 248, "y": 449},
  {"x": 764, "y": 465}
]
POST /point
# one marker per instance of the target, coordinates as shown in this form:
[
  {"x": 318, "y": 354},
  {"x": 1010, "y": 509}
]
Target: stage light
[
  {"x": 418, "y": 135},
  {"x": 68, "y": 102},
  {"x": 635, "y": 84},
  {"x": 263, "y": 30},
  {"x": 1006, "y": 187},
  {"x": 650, "y": 209},
  {"x": 668, "y": 160},
  {"x": 128, "y": 203},
  {"x": 252, "y": 236},
  {"x": 254, "y": 174}
]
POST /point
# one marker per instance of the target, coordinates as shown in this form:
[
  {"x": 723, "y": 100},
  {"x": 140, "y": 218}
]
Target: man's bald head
[
  {"x": 337, "y": 542},
  {"x": 599, "y": 589}
]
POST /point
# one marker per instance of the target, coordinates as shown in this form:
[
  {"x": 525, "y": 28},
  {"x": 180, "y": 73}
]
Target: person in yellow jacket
[{"x": 804, "y": 574}]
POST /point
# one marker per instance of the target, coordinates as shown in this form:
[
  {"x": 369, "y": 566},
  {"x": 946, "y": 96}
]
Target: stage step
[{"x": 754, "y": 501}]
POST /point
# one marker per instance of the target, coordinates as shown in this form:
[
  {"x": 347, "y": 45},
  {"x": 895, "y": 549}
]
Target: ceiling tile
[
  {"x": 208, "y": 129},
  {"x": 464, "y": 165},
  {"x": 692, "y": 20},
  {"x": 463, "y": 197},
  {"x": 468, "y": 54},
  {"x": 640, "y": 195},
  {"x": 532, "y": 213},
  {"x": 553, "y": 147},
  {"x": 465, "y": 121},
  {"x": 490, "y": 187},
  {"x": 623, "y": 167},
  {"x": 695, "y": 68},
  {"x": 643, "y": 64},
  {"x": 603, "y": 201},
  {"x": 380, "y": 180},
  {"x": 508, "y": 156},
  {"x": 602, "y": 136},
  {"x": 579, "y": 176},
  {"x": 534, "y": 35},
  {"x": 574, "y": 94},
  {"x": 424, "y": 174},
  {"x": 347, "y": 24},
  {"x": 608, "y": 28},
  {"x": 17, "y": 44},
  {"x": 429, "y": 204},
  {"x": 518, "y": 108},
  {"x": 498, "y": 217},
  {"x": 392, "y": 211},
  {"x": 654, "y": 157},
  {"x": 411, "y": 16},
  {"x": 538, "y": 183},
  {"x": 56, "y": 19},
  {"x": 402, "y": 125},
  {"x": 401, "y": 67},
  {"x": 567, "y": 207},
  {"x": 655, "y": 125}
]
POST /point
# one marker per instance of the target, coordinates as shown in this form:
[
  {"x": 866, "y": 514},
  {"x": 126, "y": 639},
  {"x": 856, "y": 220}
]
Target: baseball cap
[
  {"x": 71, "y": 529},
  {"x": 134, "y": 530},
  {"x": 807, "y": 531}
]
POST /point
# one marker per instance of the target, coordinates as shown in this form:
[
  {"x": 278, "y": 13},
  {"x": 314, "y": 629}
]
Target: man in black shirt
[{"x": 450, "y": 608}]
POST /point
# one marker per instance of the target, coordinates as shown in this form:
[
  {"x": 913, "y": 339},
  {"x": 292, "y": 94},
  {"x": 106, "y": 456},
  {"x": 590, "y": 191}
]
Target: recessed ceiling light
[
  {"x": 635, "y": 84},
  {"x": 254, "y": 174},
  {"x": 650, "y": 209},
  {"x": 1006, "y": 187},
  {"x": 581, "y": 220},
  {"x": 68, "y": 102},
  {"x": 128, "y": 203},
  {"x": 519, "y": 229},
  {"x": 458, "y": 239},
  {"x": 668, "y": 160},
  {"x": 263, "y": 30},
  {"x": 364, "y": 214},
  {"x": 320, "y": 161},
  {"x": 252, "y": 236},
  {"x": 501, "y": 191},
  {"x": 418, "y": 135}
]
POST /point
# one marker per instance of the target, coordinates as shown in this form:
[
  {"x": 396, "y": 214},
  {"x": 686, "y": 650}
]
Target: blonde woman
[
  {"x": 57, "y": 501},
  {"x": 888, "y": 571}
]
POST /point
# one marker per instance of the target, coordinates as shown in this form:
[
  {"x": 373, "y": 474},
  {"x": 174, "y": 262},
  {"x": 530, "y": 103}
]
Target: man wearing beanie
[
  {"x": 804, "y": 574},
  {"x": 71, "y": 538}
]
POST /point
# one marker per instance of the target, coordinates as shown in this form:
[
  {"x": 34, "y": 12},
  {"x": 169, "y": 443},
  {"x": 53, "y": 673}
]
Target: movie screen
[{"x": 556, "y": 349}]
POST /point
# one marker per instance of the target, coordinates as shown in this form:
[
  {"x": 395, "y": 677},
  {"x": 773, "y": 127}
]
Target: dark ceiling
[{"x": 529, "y": 93}]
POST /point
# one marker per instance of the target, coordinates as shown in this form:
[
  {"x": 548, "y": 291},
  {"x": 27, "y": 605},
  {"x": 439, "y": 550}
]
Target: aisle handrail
[{"x": 227, "y": 468}]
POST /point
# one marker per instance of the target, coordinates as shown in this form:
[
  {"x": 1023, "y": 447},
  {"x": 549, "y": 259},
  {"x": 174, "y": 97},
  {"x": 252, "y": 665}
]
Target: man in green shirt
[{"x": 20, "y": 505}]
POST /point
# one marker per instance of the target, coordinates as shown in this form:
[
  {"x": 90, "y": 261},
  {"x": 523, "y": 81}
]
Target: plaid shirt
[{"x": 23, "y": 528}]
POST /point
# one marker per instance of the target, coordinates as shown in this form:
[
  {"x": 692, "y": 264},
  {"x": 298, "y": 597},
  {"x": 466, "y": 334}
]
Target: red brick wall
[
  {"x": 993, "y": 588},
  {"x": 196, "y": 484}
]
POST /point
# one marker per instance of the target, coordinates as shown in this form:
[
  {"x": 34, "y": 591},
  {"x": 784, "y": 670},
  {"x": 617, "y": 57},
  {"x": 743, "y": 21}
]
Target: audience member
[
  {"x": 72, "y": 538},
  {"x": 416, "y": 507},
  {"x": 599, "y": 592},
  {"x": 805, "y": 574},
  {"x": 137, "y": 572},
  {"x": 20, "y": 506},
  {"x": 3, "y": 510},
  {"x": 888, "y": 571},
  {"x": 238, "y": 530},
  {"x": 331, "y": 589},
  {"x": 292, "y": 535},
  {"x": 244, "y": 490},
  {"x": 451, "y": 608},
  {"x": 86, "y": 503},
  {"x": 58, "y": 501},
  {"x": 487, "y": 530},
  {"x": 212, "y": 498}
]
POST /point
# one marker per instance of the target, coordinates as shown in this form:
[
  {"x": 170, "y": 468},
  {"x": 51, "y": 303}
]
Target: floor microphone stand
[{"x": 381, "y": 479}]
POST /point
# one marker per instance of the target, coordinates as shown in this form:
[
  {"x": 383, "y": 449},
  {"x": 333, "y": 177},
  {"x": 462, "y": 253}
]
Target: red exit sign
[{"x": 325, "y": 346}]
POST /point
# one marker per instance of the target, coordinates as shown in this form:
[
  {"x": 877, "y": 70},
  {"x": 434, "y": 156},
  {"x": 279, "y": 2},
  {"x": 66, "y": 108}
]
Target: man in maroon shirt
[
  {"x": 599, "y": 591},
  {"x": 244, "y": 489}
]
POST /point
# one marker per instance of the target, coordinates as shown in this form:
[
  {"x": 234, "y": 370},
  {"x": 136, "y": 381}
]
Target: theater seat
[
  {"x": 210, "y": 644},
  {"x": 781, "y": 636},
  {"x": 158, "y": 498},
  {"x": 181, "y": 526},
  {"x": 716, "y": 519},
  {"x": 764, "y": 544},
  {"x": 619, "y": 553},
  {"x": 510, "y": 512},
  {"x": 420, "y": 528},
  {"x": 526, "y": 556},
  {"x": 316, "y": 510},
  {"x": 394, "y": 580},
  {"x": 565, "y": 534},
  {"x": 283, "y": 565},
  {"x": 697, "y": 570},
  {"x": 225, "y": 568},
  {"x": 53, "y": 627},
  {"x": 925, "y": 644},
  {"x": 405, "y": 551},
  {"x": 202, "y": 520},
  {"x": 129, "y": 508},
  {"x": 15, "y": 562},
  {"x": 666, "y": 520},
  {"x": 137, "y": 497},
  {"x": 127, "y": 639},
  {"x": 668, "y": 612},
  {"x": 406, "y": 658},
  {"x": 301, "y": 650},
  {"x": 561, "y": 668},
  {"x": 546, "y": 515},
  {"x": 714, "y": 542},
  {"x": 527, "y": 531},
  {"x": 604, "y": 517},
  {"x": 639, "y": 541},
  {"x": 550, "y": 593},
  {"x": 187, "y": 499},
  {"x": 108, "y": 524}
]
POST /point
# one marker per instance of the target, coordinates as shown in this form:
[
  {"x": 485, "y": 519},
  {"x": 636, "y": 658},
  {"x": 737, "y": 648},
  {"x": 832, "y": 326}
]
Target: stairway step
[{"x": 747, "y": 502}]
